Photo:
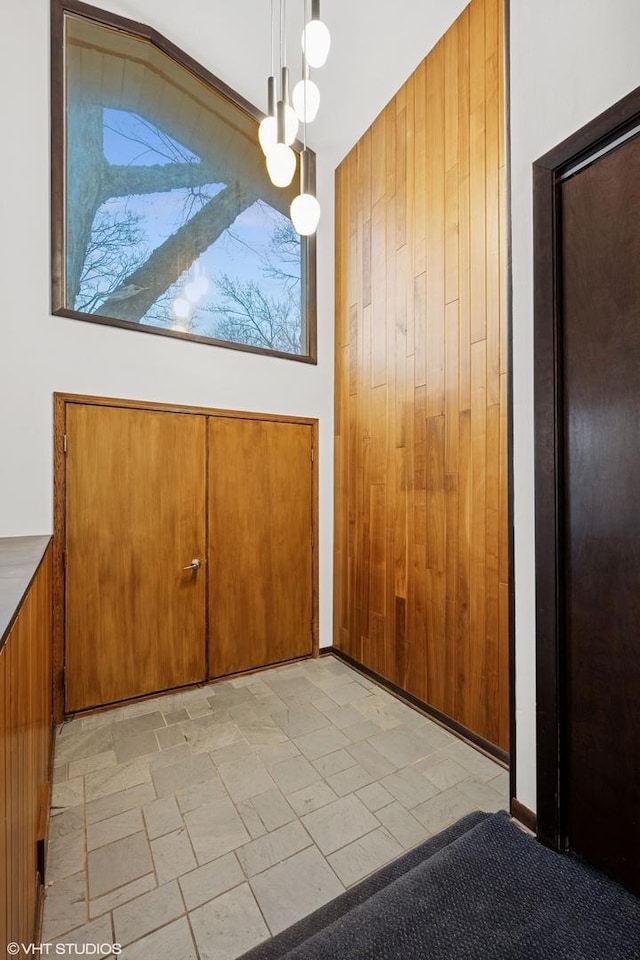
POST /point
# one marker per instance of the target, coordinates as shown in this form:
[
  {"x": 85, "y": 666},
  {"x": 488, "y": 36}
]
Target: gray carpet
[{"x": 482, "y": 890}]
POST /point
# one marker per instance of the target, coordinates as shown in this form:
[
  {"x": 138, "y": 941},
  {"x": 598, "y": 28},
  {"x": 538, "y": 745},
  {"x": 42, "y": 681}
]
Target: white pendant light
[
  {"x": 281, "y": 165},
  {"x": 279, "y": 129},
  {"x": 305, "y": 209},
  {"x": 305, "y": 214},
  {"x": 268, "y": 131},
  {"x": 316, "y": 39},
  {"x": 281, "y": 160},
  {"x": 306, "y": 97},
  {"x": 267, "y": 134},
  {"x": 312, "y": 96}
]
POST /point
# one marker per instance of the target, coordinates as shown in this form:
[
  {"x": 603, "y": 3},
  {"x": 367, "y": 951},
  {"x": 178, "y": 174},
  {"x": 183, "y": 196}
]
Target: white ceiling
[{"x": 376, "y": 46}]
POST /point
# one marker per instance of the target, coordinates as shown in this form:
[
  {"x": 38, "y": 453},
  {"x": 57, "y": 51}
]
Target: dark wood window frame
[
  {"x": 59, "y": 8},
  {"x": 549, "y": 456}
]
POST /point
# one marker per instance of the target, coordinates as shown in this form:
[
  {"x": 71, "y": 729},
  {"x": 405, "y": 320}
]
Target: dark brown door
[
  {"x": 260, "y": 549},
  {"x": 600, "y": 216},
  {"x": 135, "y": 517}
]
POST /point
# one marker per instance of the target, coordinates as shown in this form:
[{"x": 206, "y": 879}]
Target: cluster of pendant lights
[{"x": 285, "y": 112}]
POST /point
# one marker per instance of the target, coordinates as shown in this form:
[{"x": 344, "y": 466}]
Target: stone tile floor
[{"x": 198, "y": 824}]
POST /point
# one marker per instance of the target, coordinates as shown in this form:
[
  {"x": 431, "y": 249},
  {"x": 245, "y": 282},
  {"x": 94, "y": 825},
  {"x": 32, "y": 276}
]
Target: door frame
[
  {"x": 60, "y": 401},
  {"x": 549, "y": 441}
]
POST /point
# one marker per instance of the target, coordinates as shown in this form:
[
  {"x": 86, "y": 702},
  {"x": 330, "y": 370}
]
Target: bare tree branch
[
  {"x": 284, "y": 247},
  {"x": 136, "y": 293},
  {"x": 115, "y": 249},
  {"x": 246, "y": 315},
  {"x": 129, "y": 181}
]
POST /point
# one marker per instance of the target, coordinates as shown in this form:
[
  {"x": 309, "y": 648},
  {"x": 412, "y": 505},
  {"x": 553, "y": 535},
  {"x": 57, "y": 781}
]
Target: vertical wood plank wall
[
  {"x": 421, "y": 545},
  {"x": 25, "y": 740}
]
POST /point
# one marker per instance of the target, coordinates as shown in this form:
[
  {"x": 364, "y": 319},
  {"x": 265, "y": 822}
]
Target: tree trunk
[
  {"x": 166, "y": 264},
  {"x": 123, "y": 181},
  {"x": 86, "y": 168}
]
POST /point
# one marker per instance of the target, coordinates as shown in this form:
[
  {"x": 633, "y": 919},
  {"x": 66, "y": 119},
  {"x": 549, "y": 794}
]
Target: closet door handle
[{"x": 194, "y": 565}]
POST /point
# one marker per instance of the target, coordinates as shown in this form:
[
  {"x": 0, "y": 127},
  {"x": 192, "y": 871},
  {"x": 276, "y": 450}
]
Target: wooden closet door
[
  {"x": 135, "y": 517},
  {"x": 260, "y": 547}
]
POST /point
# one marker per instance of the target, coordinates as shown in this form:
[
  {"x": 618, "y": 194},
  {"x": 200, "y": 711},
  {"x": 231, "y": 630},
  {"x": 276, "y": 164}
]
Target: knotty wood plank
[
  {"x": 435, "y": 338},
  {"x": 378, "y": 294},
  {"x": 399, "y": 374},
  {"x": 351, "y": 359},
  {"x": 361, "y": 168},
  {"x": 504, "y": 482},
  {"x": 478, "y": 692},
  {"x": 462, "y": 692},
  {"x": 435, "y": 554},
  {"x": 451, "y": 42},
  {"x": 380, "y": 426},
  {"x": 341, "y": 265},
  {"x": 503, "y": 692},
  {"x": 492, "y": 202},
  {"x": 420, "y": 328},
  {"x": 387, "y": 658},
  {"x": 377, "y": 574},
  {"x": 477, "y": 171},
  {"x": 464, "y": 214},
  {"x": 492, "y": 597},
  {"x": 400, "y": 170},
  {"x": 390, "y": 160},
  {"x": 419, "y": 200},
  {"x": 416, "y": 668},
  {"x": 451, "y": 590},
  {"x": 452, "y": 373},
  {"x": 378, "y": 147},
  {"x": 400, "y": 523},
  {"x": 435, "y": 564},
  {"x": 504, "y": 325}
]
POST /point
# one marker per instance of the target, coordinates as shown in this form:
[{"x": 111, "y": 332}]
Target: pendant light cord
[
  {"x": 283, "y": 45},
  {"x": 273, "y": 55},
  {"x": 304, "y": 74}
]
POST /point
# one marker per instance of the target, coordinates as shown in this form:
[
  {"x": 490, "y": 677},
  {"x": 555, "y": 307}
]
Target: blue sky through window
[
  {"x": 131, "y": 140},
  {"x": 245, "y": 252}
]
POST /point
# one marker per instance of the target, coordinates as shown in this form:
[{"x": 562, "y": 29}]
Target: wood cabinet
[
  {"x": 188, "y": 546},
  {"x": 25, "y": 733}
]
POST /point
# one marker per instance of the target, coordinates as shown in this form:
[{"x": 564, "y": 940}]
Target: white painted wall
[
  {"x": 40, "y": 354},
  {"x": 570, "y": 60}
]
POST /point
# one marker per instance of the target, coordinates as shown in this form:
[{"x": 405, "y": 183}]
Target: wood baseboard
[
  {"x": 496, "y": 753},
  {"x": 524, "y": 815}
]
